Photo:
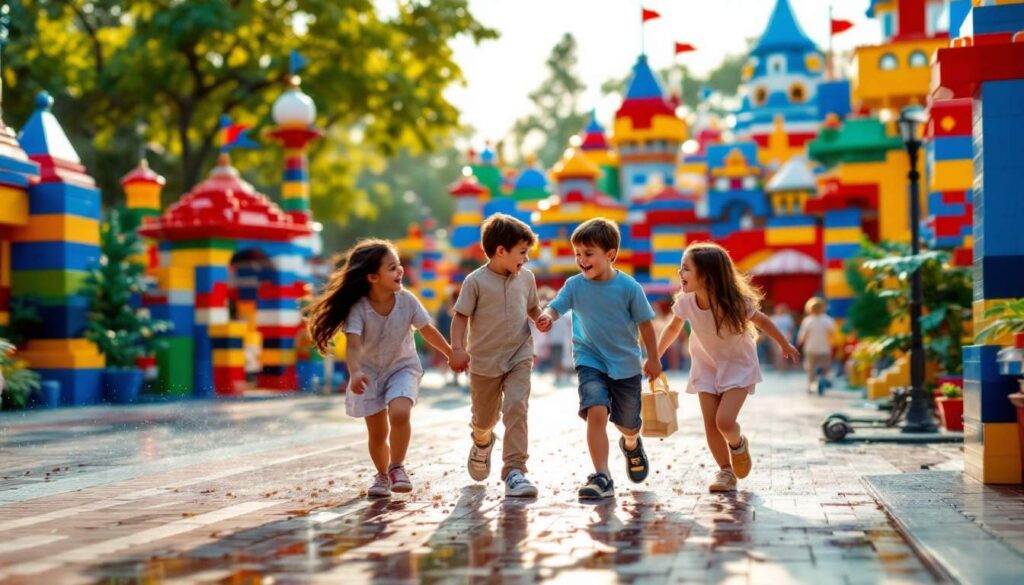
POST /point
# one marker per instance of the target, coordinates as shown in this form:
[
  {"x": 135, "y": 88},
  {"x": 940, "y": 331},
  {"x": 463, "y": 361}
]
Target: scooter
[{"x": 837, "y": 425}]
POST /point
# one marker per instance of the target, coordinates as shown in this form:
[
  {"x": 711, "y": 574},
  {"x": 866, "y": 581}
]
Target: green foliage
[
  {"x": 171, "y": 68},
  {"x": 947, "y": 296},
  {"x": 868, "y": 315},
  {"x": 556, "y": 116},
  {"x": 951, "y": 391},
  {"x": 18, "y": 381},
  {"x": 1009, "y": 319},
  {"x": 121, "y": 331},
  {"x": 25, "y": 318}
]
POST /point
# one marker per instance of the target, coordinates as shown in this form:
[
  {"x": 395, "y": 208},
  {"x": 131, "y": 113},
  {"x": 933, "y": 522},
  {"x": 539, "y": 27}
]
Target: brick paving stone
[{"x": 236, "y": 492}]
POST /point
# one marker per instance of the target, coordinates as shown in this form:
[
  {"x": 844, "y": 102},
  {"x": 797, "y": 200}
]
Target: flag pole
[{"x": 828, "y": 63}]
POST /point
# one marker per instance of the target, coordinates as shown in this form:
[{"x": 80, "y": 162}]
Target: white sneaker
[
  {"x": 479, "y": 463},
  {"x": 725, "y": 481},
  {"x": 381, "y": 487},
  {"x": 517, "y": 486}
]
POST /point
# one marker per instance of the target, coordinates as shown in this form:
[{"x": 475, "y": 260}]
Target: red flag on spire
[
  {"x": 839, "y": 25},
  {"x": 649, "y": 14},
  {"x": 684, "y": 48}
]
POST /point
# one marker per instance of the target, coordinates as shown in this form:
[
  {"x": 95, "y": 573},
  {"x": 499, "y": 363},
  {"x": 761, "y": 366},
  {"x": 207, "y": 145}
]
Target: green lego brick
[
  {"x": 46, "y": 283},
  {"x": 174, "y": 366}
]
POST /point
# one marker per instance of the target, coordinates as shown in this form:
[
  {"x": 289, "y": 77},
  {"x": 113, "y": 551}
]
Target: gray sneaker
[
  {"x": 479, "y": 463},
  {"x": 381, "y": 487},
  {"x": 517, "y": 486}
]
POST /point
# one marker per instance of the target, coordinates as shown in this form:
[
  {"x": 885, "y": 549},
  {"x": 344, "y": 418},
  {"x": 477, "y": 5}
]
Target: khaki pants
[
  {"x": 505, "y": 396},
  {"x": 813, "y": 361}
]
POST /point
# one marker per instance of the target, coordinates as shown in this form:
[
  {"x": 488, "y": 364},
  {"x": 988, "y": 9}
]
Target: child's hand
[
  {"x": 790, "y": 352},
  {"x": 652, "y": 368},
  {"x": 459, "y": 360},
  {"x": 544, "y": 323},
  {"x": 358, "y": 383}
]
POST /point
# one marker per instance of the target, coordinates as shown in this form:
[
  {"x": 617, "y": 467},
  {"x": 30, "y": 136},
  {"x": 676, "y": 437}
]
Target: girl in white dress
[
  {"x": 722, "y": 308},
  {"x": 365, "y": 298}
]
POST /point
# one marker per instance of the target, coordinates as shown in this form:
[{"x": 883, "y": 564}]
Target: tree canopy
[
  {"x": 556, "y": 116},
  {"x": 130, "y": 73}
]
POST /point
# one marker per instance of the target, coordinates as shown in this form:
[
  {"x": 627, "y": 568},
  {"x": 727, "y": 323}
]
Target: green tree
[
  {"x": 174, "y": 67},
  {"x": 120, "y": 330},
  {"x": 556, "y": 114}
]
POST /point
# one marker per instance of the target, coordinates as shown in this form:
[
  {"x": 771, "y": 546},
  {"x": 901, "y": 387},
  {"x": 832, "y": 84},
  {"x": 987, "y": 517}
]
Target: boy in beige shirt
[{"x": 497, "y": 301}]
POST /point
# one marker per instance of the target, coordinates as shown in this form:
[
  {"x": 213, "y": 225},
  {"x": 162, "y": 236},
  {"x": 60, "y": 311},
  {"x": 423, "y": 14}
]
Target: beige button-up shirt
[{"x": 499, "y": 323}]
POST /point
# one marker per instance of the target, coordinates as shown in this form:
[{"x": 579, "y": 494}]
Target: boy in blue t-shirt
[{"x": 609, "y": 308}]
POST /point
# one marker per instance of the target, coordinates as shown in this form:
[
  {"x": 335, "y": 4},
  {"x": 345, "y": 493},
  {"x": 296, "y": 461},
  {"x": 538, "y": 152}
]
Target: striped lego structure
[
  {"x": 469, "y": 196},
  {"x": 51, "y": 254},
  {"x": 17, "y": 172},
  {"x": 142, "y": 190},
  {"x": 948, "y": 152},
  {"x": 173, "y": 299},
  {"x": 985, "y": 65},
  {"x": 248, "y": 228}
]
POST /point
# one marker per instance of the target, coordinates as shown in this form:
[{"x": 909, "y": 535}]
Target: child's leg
[
  {"x": 597, "y": 437},
  {"x": 485, "y": 406},
  {"x": 709, "y": 404},
  {"x": 399, "y": 410},
  {"x": 729, "y": 407},
  {"x": 377, "y": 435},
  {"x": 515, "y": 390}
]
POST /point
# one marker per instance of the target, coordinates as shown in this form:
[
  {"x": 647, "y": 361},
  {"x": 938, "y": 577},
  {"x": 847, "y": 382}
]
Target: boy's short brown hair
[
  {"x": 505, "y": 231},
  {"x": 599, "y": 232}
]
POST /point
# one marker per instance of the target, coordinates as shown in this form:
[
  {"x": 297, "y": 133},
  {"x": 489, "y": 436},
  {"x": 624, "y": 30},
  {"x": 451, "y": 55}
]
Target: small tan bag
[{"x": 658, "y": 406}]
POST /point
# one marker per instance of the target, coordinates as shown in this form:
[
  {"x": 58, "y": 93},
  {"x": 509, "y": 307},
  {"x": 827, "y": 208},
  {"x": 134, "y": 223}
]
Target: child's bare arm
[
  {"x": 459, "y": 359},
  {"x": 432, "y": 336},
  {"x": 353, "y": 358},
  {"x": 669, "y": 334},
  {"x": 653, "y": 366},
  {"x": 534, "y": 313},
  {"x": 762, "y": 322}
]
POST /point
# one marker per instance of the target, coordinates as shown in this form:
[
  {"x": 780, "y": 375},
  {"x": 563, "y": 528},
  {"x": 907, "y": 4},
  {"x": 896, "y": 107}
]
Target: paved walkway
[{"x": 231, "y": 492}]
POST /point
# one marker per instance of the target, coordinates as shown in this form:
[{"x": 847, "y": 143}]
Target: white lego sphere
[{"x": 294, "y": 108}]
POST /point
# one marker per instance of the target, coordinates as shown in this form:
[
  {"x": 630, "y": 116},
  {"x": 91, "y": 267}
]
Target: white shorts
[{"x": 402, "y": 383}]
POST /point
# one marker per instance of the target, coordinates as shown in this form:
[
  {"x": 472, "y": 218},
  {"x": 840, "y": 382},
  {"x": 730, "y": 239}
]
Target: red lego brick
[{"x": 961, "y": 70}]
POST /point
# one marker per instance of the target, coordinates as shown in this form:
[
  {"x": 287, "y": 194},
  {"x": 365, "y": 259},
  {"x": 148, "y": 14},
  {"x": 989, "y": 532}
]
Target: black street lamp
[{"x": 919, "y": 416}]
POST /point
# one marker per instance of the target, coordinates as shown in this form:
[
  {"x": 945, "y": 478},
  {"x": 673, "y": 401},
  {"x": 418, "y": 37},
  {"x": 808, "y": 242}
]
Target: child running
[
  {"x": 366, "y": 298},
  {"x": 815, "y": 338},
  {"x": 608, "y": 309},
  {"x": 721, "y": 305},
  {"x": 498, "y": 300}
]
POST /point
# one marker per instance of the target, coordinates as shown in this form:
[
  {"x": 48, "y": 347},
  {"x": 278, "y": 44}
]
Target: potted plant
[
  {"x": 951, "y": 407},
  {"x": 122, "y": 331},
  {"x": 17, "y": 382}
]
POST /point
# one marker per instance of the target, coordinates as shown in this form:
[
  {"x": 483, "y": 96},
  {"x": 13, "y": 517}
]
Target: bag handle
[{"x": 661, "y": 384}]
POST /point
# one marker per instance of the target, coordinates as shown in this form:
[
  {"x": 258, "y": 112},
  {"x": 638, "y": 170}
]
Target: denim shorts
[{"x": 620, "y": 397}]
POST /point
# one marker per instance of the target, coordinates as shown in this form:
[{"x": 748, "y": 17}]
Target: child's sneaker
[
  {"x": 517, "y": 486},
  {"x": 479, "y": 463},
  {"x": 598, "y": 486},
  {"x": 637, "y": 465},
  {"x": 400, "y": 483},
  {"x": 380, "y": 488},
  {"x": 740, "y": 457},
  {"x": 725, "y": 481}
]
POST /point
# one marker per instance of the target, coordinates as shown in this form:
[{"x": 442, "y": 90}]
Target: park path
[{"x": 235, "y": 492}]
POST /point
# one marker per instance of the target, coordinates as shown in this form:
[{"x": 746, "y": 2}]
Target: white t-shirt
[{"x": 817, "y": 332}]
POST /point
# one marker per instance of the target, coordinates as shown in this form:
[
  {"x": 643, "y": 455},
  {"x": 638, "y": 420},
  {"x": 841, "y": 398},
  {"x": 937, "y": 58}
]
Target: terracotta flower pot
[{"x": 951, "y": 411}]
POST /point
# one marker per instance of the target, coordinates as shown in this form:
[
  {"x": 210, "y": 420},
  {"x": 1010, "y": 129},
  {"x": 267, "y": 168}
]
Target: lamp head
[{"x": 910, "y": 120}]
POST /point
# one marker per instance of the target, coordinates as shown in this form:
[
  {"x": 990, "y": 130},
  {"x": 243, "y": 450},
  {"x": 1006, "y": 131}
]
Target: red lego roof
[
  {"x": 467, "y": 187},
  {"x": 225, "y": 206}
]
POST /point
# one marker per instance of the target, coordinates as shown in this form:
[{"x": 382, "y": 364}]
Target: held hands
[
  {"x": 358, "y": 383},
  {"x": 790, "y": 352},
  {"x": 544, "y": 323},
  {"x": 459, "y": 360},
  {"x": 652, "y": 368}
]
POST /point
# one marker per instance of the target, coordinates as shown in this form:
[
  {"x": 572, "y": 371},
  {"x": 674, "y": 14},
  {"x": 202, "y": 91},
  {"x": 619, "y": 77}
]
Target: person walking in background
[
  {"x": 783, "y": 320},
  {"x": 722, "y": 308},
  {"x": 817, "y": 331},
  {"x": 365, "y": 298}
]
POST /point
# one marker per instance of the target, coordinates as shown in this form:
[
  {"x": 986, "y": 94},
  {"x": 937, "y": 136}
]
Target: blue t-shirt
[{"x": 605, "y": 315}]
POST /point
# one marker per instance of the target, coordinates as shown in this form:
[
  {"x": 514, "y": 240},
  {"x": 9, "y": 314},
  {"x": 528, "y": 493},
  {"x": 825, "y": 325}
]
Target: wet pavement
[{"x": 271, "y": 491}]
